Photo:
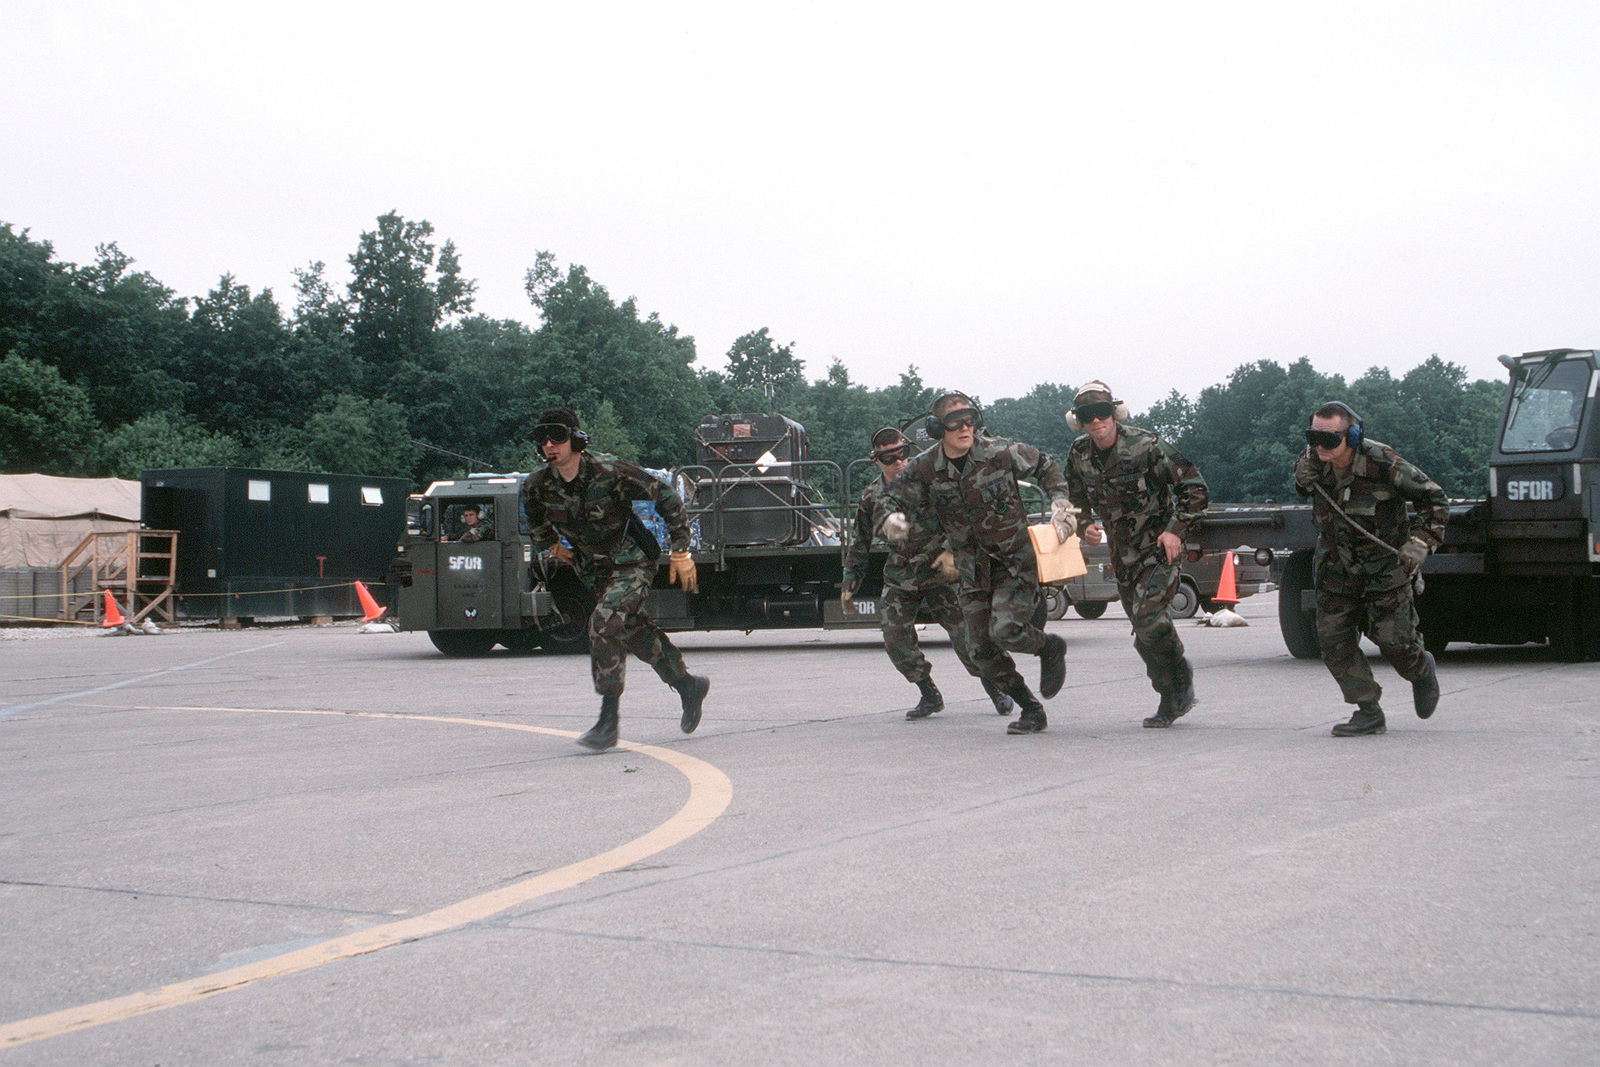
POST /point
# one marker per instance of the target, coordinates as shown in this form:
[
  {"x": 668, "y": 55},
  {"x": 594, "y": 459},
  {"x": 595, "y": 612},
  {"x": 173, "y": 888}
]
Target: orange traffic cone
[
  {"x": 113, "y": 616},
  {"x": 1226, "y": 593},
  {"x": 372, "y": 608}
]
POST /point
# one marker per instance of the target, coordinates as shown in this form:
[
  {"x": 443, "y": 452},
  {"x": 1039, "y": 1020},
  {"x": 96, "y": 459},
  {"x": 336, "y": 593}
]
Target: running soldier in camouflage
[
  {"x": 1368, "y": 553},
  {"x": 588, "y": 497},
  {"x": 917, "y": 575},
  {"x": 1150, "y": 497},
  {"x": 969, "y": 485}
]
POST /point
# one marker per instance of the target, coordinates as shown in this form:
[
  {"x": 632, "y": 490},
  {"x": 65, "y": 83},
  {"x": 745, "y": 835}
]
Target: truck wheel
[
  {"x": 576, "y": 603},
  {"x": 463, "y": 642},
  {"x": 1299, "y": 627},
  {"x": 520, "y": 641},
  {"x": 1089, "y": 609},
  {"x": 1056, "y": 603},
  {"x": 1186, "y": 601}
]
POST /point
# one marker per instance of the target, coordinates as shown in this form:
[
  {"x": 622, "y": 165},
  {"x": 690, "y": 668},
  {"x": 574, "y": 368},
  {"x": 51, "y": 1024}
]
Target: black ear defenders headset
[
  {"x": 1352, "y": 433},
  {"x": 935, "y": 425}
]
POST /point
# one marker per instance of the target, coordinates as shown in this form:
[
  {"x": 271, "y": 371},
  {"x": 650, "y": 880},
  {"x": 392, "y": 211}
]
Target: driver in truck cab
[{"x": 587, "y": 498}]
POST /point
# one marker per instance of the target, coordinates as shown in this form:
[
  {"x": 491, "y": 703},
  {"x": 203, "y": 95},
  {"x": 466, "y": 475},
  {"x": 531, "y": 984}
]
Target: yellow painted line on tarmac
[{"x": 710, "y": 792}]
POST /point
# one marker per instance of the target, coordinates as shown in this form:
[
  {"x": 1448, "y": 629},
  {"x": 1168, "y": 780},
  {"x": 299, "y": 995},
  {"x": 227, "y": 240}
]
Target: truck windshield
[{"x": 1547, "y": 408}]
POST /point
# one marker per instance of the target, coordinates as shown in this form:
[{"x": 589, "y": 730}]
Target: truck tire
[
  {"x": 464, "y": 642},
  {"x": 1299, "y": 627},
  {"x": 1089, "y": 609},
  {"x": 576, "y": 602},
  {"x": 520, "y": 641},
  {"x": 1186, "y": 601},
  {"x": 1056, "y": 603}
]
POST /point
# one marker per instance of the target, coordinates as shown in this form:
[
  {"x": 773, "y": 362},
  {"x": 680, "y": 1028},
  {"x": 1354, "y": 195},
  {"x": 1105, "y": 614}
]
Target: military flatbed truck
[
  {"x": 1521, "y": 565},
  {"x": 768, "y": 552}
]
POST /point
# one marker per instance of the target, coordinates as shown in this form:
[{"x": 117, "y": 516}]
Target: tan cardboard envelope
[{"x": 1057, "y": 560}]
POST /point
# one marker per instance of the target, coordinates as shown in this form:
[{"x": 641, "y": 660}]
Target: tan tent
[{"x": 43, "y": 518}]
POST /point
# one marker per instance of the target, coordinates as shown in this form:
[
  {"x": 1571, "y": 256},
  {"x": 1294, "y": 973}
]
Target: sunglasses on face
[
  {"x": 957, "y": 419},
  {"x": 1100, "y": 409},
  {"x": 550, "y": 431},
  {"x": 891, "y": 456},
  {"x": 1324, "y": 438}
]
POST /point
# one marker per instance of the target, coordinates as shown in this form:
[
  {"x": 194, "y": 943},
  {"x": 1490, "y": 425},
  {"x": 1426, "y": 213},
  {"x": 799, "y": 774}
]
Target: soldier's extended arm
[
  {"x": 1189, "y": 492},
  {"x": 636, "y": 483},
  {"x": 1433, "y": 507},
  {"x": 855, "y": 556},
  {"x": 540, "y": 532}
]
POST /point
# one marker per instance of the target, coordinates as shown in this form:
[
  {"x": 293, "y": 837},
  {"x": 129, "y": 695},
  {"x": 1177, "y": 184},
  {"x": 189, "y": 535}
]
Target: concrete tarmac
[{"x": 292, "y": 845}]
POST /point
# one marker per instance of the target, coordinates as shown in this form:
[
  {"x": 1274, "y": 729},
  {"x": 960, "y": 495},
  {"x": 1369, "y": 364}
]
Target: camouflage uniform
[
  {"x": 910, "y": 584},
  {"x": 1360, "y": 585},
  {"x": 1140, "y": 488},
  {"x": 482, "y": 530},
  {"x": 977, "y": 505},
  {"x": 592, "y": 512}
]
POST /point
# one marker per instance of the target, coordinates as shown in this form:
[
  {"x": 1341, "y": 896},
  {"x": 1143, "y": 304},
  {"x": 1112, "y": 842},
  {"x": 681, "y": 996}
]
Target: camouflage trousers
[
  {"x": 1389, "y": 618},
  {"x": 901, "y": 603},
  {"x": 618, "y": 625},
  {"x": 1146, "y": 595},
  {"x": 998, "y": 609}
]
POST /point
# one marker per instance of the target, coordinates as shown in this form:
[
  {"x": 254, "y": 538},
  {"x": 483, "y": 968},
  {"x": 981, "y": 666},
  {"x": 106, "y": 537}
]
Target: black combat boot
[
  {"x": 693, "y": 690},
  {"x": 1031, "y": 719},
  {"x": 931, "y": 700},
  {"x": 1368, "y": 719},
  {"x": 1425, "y": 690},
  {"x": 1002, "y": 703},
  {"x": 603, "y": 734},
  {"x": 1052, "y": 665},
  {"x": 1175, "y": 702}
]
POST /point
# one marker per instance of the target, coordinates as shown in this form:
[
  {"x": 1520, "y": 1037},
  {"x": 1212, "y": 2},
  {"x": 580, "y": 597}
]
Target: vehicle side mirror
[{"x": 425, "y": 520}]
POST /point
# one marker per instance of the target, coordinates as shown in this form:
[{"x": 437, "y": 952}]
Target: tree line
[{"x": 106, "y": 371}]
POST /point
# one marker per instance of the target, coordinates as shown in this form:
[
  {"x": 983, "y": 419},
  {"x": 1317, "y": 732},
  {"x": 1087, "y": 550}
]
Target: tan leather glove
[
  {"x": 1064, "y": 517},
  {"x": 680, "y": 571},
  {"x": 944, "y": 565},
  {"x": 563, "y": 553},
  {"x": 896, "y": 528},
  {"x": 1412, "y": 553}
]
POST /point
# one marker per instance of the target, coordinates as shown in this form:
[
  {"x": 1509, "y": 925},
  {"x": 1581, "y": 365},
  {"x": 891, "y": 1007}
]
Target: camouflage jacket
[
  {"x": 1373, "y": 490},
  {"x": 1139, "y": 488},
  {"x": 909, "y": 565},
  {"x": 977, "y": 504},
  {"x": 483, "y": 530},
  {"x": 593, "y": 509}
]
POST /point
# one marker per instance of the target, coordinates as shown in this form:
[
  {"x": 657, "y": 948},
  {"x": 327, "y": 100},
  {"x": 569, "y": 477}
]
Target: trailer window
[
  {"x": 258, "y": 490},
  {"x": 372, "y": 495},
  {"x": 1547, "y": 408},
  {"x": 316, "y": 493}
]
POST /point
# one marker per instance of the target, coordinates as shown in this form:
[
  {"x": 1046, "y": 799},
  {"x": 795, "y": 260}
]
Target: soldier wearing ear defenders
[
  {"x": 968, "y": 482},
  {"x": 588, "y": 497},
  {"x": 918, "y": 574},
  {"x": 1149, "y": 497},
  {"x": 1368, "y": 552}
]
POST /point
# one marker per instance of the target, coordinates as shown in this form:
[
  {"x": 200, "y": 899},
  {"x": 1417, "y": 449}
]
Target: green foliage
[
  {"x": 591, "y": 349},
  {"x": 161, "y": 441},
  {"x": 46, "y": 423},
  {"x": 106, "y": 370}
]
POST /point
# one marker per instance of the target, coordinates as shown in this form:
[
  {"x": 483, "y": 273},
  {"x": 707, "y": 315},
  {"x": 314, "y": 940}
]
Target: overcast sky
[{"x": 1000, "y": 194}]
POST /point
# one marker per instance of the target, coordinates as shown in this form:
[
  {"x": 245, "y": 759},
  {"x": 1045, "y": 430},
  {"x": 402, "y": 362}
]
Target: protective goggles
[
  {"x": 1099, "y": 409},
  {"x": 550, "y": 431},
  {"x": 1325, "y": 438},
  {"x": 955, "y": 420},
  {"x": 892, "y": 454}
]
